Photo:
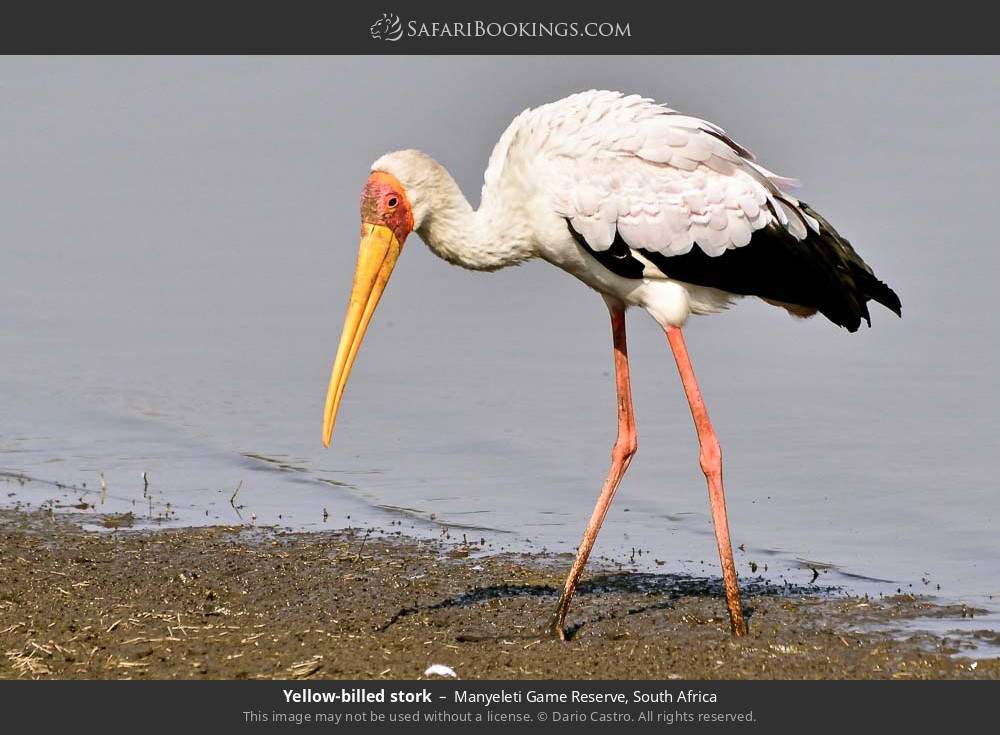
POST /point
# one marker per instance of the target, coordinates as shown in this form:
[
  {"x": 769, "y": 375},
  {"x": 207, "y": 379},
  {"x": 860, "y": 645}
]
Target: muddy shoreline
[{"x": 239, "y": 602}]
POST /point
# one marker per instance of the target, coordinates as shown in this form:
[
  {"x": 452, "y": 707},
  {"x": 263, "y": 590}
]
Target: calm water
[{"x": 178, "y": 238}]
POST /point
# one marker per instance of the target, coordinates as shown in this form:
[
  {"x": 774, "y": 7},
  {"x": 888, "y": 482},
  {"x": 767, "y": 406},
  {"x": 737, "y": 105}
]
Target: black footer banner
[{"x": 232, "y": 706}]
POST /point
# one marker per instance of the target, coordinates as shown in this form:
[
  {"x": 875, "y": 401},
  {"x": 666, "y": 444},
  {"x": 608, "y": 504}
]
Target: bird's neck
[{"x": 491, "y": 237}]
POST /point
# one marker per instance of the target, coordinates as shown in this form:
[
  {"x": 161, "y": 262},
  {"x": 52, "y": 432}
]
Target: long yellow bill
[{"x": 377, "y": 256}]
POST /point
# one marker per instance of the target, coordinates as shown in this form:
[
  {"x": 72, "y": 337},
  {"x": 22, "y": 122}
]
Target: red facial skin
[{"x": 384, "y": 202}]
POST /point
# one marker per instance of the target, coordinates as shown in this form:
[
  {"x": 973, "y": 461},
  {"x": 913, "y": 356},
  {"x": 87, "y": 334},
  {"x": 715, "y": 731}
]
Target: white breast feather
[{"x": 665, "y": 182}]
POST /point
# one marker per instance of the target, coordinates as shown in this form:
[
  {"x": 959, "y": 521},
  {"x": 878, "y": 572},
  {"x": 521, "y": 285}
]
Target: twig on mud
[
  {"x": 362, "y": 548},
  {"x": 306, "y": 668},
  {"x": 26, "y": 663}
]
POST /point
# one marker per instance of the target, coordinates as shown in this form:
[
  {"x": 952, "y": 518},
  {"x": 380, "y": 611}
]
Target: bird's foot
[{"x": 557, "y": 628}]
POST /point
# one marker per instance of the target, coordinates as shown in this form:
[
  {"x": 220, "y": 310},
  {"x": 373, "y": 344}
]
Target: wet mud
[{"x": 240, "y": 602}]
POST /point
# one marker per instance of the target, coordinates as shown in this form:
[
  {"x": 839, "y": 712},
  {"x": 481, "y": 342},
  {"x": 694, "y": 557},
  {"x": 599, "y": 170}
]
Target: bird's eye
[{"x": 391, "y": 202}]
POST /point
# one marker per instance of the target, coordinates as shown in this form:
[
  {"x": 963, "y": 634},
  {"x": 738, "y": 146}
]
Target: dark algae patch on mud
[{"x": 240, "y": 602}]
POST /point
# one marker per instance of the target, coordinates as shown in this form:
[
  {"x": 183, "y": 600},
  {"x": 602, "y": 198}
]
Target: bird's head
[{"x": 386, "y": 220}]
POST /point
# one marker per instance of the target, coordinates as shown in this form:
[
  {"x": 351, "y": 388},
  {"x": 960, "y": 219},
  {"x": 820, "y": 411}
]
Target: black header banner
[{"x": 437, "y": 27}]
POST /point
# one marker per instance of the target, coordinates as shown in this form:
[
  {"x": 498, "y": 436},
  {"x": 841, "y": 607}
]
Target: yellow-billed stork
[{"x": 648, "y": 207}]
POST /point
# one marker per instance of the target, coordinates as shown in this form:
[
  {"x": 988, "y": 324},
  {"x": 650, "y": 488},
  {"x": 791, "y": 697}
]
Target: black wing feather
[{"x": 822, "y": 272}]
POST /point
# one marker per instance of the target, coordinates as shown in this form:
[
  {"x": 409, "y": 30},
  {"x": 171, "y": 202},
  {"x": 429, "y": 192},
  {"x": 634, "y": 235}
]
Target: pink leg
[
  {"x": 711, "y": 465},
  {"x": 621, "y": 456}
]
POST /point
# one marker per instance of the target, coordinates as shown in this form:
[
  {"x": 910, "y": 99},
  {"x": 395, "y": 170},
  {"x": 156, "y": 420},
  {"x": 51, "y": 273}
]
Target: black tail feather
[
  {"x": 867, "y": 285},
  {"x": 821, "y": 273}
]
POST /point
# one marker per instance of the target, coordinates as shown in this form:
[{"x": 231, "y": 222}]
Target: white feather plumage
[{"x": 609, "y": 164}]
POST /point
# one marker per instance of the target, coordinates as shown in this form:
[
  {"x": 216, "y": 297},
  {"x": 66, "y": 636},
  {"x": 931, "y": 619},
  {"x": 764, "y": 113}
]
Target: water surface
[{"x": 178, "y": 241}]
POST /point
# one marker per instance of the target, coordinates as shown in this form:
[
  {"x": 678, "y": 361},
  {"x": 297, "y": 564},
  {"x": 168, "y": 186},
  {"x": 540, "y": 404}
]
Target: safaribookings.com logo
[
  {"x": 390, "y": 28},
  {"x": 387, "y": 28}
]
